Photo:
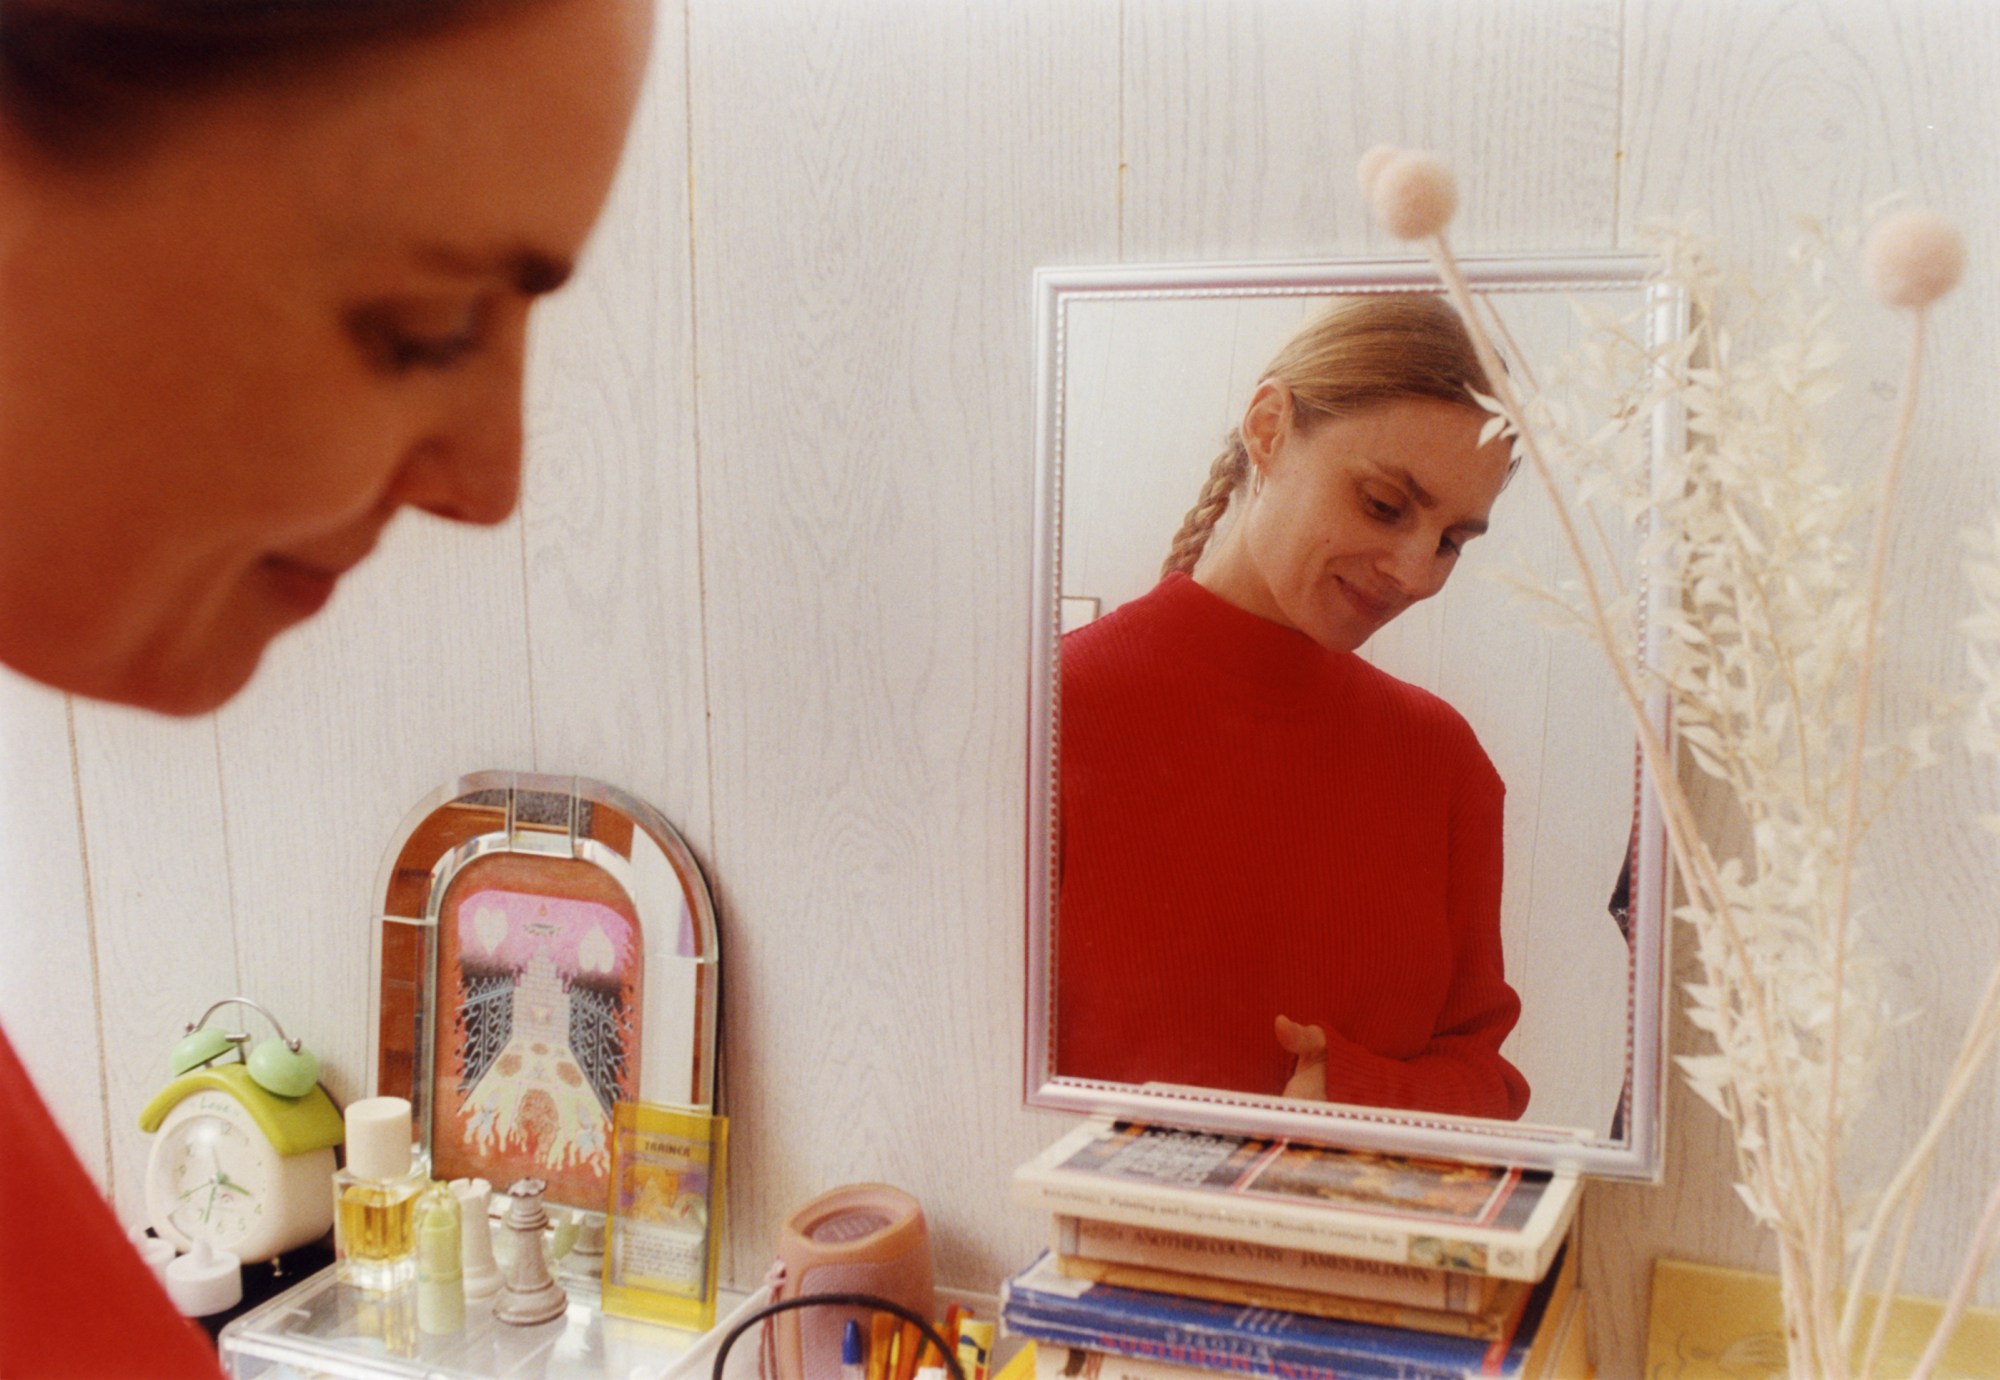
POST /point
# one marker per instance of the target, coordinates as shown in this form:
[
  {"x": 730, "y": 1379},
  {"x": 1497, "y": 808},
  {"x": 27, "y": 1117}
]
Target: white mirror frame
[{"x": 1638, "y": 1156}]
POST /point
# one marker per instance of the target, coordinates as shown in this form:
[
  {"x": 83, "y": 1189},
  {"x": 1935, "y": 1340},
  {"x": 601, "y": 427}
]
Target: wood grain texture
[
  {"x": 48, "y": 986},
  {"x": 874, "y": 185},
  {"x": 611, "y": 510},
  {"x": 166, "y": 943},
  {"x": 1244, "y": 123}
]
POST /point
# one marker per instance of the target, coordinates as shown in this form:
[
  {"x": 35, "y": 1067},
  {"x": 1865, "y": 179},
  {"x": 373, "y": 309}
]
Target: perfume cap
[{"x": 378, "y": 1137}]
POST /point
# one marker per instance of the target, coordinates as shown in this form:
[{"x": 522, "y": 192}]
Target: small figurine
[
  {"x": 482, "y": 1270},
  {"x": 531, "y": 1294}
]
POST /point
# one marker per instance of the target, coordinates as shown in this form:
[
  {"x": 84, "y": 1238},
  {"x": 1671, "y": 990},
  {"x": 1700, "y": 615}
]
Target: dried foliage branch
[{"x": 1766, "y": 658}]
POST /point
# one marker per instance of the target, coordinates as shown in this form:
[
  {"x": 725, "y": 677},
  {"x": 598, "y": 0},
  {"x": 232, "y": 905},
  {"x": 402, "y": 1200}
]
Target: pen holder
[{"x": 860, "y": 1239}]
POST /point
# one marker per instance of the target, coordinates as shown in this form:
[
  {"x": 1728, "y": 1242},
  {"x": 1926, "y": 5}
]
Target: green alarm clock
[{"x": 242, "y": 1154}]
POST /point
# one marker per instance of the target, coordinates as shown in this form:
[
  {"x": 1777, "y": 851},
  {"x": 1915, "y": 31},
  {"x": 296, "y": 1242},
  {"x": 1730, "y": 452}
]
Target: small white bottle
[{"x": 375, "y": 1196}]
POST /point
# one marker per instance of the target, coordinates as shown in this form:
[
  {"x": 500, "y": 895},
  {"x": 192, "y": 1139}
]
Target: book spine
[
  {"x": 1487, "y": 1326},
  {"x": 1252, "y": 1262},
  {"x": 1310, "y": 1228},
  {"x": 1193, "y": 1356},
  {"x": 1042, "y": 1294}
]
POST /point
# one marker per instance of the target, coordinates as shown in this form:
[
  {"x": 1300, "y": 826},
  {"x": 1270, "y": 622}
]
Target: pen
[
  {"x": 851, "y": 1365},
  {"x": 975, "y": 1348},
  {"x": 881, "y": 1339}
]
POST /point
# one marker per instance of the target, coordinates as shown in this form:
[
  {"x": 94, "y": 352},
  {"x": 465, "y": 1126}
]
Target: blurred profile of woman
[
  {"x": 265, "y": 274},
  {"x": 1281, "y": 867}
]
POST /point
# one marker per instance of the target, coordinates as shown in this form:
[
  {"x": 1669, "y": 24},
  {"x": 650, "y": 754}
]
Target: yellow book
[
  {"x": 1568, "y": 1355},
  {"x": 1710, "y": 1323}
]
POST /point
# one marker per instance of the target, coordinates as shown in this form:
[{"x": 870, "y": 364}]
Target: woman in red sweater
[
  {"x": 1280, "y": 866},
  {"x": 265, "y": 270}
]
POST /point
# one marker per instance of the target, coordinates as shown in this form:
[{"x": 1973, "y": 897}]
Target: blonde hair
[{"x": 1358, "y": 352}]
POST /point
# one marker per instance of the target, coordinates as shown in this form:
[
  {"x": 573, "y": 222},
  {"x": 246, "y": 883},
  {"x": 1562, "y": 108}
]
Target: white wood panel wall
[{"x": 771, "y": 570}]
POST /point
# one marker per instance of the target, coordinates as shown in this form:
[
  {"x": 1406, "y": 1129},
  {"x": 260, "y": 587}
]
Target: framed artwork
[{"x": 546, "y": 950}]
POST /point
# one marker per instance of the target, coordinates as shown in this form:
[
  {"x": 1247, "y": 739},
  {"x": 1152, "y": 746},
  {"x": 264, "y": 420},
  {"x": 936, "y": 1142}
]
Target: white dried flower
[
  {"x": 1914, "y": 258},
  {"x": 1413, "y": 195}
]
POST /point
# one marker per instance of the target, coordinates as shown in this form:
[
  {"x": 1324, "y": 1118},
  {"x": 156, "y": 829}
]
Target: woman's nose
[
  {"x": 467, "y": 466},
  {"x": 1416, "y": 569}
]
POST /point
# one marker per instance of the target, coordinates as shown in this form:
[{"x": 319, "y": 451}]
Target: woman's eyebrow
[{"x": 530, "y": 272}]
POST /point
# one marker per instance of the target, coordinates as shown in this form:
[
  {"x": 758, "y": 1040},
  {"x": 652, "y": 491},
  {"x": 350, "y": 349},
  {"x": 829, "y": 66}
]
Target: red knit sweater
[
  {"x": 1255, "y": 826},
  {"x": 75, "y": 1299}
]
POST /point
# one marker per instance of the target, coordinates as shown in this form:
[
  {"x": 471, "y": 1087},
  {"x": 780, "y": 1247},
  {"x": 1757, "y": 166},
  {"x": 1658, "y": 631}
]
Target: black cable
[{"x": 879, "y": 1305}]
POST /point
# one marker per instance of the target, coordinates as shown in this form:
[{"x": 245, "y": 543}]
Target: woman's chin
[
  {"x": 200, "y": 689},
  {"x": 182, "y": 681}
]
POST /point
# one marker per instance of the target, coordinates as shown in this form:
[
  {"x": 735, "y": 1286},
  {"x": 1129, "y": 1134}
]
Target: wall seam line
[
  {"x": 694, "y": 425},
  {"x": 228, "y": 858},
  {"x": 1618, "y": 158},
  {"x": 1121, "y": 170},
  {"x": 96, "y": 965},
  {"x": 528, "y": 640}
]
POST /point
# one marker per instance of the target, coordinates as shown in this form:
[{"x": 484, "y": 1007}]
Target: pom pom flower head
[
  {"x": 1413, "y": 194},
  {"x": 1914, "y": 258},
  {"x": 1371, "y": 166}
]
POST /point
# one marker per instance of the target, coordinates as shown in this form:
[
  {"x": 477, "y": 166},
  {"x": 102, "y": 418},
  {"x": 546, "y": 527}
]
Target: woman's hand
[{"x": 1307, "y": 1045}]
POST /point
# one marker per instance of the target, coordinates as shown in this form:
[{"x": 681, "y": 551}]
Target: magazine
[{"x": 1435, "y": 1214}]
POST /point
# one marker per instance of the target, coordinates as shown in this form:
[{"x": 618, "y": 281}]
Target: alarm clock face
[{"x": 212, "y": 1174}]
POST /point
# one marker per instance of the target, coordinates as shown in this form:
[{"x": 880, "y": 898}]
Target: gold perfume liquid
[{"x": 374, "y": 1228}]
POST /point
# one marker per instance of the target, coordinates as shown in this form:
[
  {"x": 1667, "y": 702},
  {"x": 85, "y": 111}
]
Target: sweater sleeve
[
  {"x": 78, "y": 1301},
  {"x": 1460, "y": 1072}
]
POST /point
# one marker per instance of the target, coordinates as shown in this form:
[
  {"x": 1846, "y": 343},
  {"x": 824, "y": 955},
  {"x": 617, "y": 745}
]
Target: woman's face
[
  {"x": 226, "y": 365},
  {"x": 1356, "y": 517}
]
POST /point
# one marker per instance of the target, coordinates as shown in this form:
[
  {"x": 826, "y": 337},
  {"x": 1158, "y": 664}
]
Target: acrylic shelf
[{"x": 325, "y": 1328}]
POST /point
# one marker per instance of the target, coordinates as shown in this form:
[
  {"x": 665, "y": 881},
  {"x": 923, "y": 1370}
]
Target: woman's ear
[{"x": 1265, "y": 422}]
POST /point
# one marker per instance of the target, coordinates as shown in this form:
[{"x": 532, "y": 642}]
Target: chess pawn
[{"x": 531, "y": 1294}]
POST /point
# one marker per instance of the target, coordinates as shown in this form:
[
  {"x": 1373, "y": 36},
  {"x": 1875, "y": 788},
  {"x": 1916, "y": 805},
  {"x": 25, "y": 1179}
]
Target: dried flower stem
[
  {"x": 1879, "y": 1327},
  {"x": 1878, "y": 560},
  {"x": 1695, "y": 862},
  {"x": 1961, "y": 1294},
  {"x": 1981, "y": 1038}
]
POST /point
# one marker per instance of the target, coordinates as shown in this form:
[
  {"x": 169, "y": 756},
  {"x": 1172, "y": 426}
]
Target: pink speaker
[{"x": 861, "y": 1239}]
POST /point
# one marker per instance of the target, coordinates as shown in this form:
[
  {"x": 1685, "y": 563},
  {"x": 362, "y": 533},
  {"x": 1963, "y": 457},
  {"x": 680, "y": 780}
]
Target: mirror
[
  {"x": 1143, "y": 372},
  {"x": 546, "y": 948}
]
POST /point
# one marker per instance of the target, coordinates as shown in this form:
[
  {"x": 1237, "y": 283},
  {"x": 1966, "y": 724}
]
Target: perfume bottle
[{"x": 375, "y": 1196}]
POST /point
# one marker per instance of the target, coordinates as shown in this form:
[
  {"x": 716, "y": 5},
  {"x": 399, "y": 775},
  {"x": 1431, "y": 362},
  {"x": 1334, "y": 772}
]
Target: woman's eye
[
  {"x": 1381, "y": 510},
  {"x": 398, "y": 345}
]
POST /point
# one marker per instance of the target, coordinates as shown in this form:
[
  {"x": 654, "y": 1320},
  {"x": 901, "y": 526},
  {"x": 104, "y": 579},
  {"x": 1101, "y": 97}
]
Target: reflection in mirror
[
  {"x": 546, "y": 948},
  {"x": 1237, "y": 878}
]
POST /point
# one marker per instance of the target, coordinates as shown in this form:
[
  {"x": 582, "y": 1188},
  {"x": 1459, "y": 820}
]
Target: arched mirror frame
[
  {"x": 1635, "y": 1156},
  {"x": 488, "y": 813}
]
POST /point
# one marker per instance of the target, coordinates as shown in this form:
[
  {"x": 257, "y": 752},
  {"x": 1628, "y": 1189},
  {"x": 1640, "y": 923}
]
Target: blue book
[{"x": 1058, "y": 1310}]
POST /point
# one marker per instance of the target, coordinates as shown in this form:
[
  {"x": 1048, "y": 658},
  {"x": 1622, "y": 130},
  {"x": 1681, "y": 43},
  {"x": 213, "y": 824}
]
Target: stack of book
[{"x": 1179, "y": 1253}]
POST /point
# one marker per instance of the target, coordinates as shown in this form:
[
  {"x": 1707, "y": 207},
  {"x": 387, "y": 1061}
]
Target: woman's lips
[
  {"x": 1373, "y": 609},
  {"x": 305, "y": 587}
]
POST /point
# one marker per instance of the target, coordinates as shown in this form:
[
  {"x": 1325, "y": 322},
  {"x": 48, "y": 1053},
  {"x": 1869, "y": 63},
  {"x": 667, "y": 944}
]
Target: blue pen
[{"x": 851, "y": 1367}]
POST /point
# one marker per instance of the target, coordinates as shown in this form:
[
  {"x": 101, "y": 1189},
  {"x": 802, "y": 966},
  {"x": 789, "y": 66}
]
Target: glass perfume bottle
[{"x": 375, "y": 1196}]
